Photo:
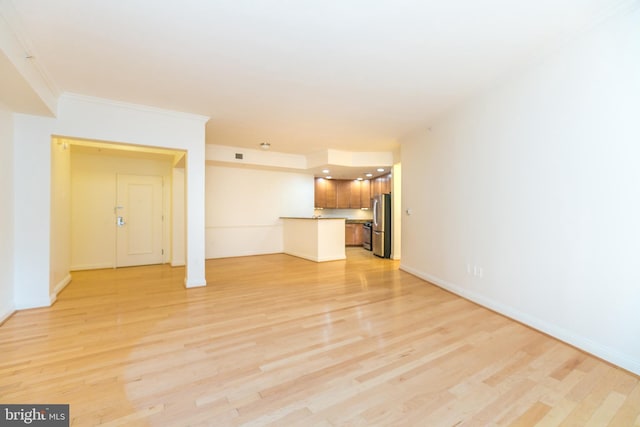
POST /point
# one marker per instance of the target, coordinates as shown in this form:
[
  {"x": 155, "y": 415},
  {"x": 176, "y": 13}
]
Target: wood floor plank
[
  {"x": 278, "y": 340},
  {"x": 629, "y": 412},
  {"x": 531, "y": 416}
]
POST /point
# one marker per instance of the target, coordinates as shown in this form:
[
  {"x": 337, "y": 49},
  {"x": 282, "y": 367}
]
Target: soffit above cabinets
[
  {"x": 341, "y": 164},
  {"x": 347, "y": 172}
]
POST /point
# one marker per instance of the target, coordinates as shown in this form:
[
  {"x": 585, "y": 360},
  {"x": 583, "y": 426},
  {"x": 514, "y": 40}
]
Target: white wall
[
  {"x": 243, "y": 207},
  {"x": 32, "y": 210},
  {"x": 6, "y": 214},
  {"x": 177, "y": 218},
  {"x": 103, "y": 120},
  {"x": 256, "y": 158},
  {"x": 93, "y": 197},
  {"x": 537, "y": 183},
  {"x": 396, "y": 206},
  {"x": 60, "y": 244}
]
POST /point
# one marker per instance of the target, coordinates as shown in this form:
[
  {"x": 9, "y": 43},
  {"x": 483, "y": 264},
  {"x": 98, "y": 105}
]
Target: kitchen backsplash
[{"x": 344, "y": 213}]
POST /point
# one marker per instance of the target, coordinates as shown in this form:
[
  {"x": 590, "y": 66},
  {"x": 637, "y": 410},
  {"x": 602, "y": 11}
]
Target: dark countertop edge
[
  {"x": 358, "y": 221},
  {"x": 308, "y": 217},
  {"x": 347, "y": 220}
]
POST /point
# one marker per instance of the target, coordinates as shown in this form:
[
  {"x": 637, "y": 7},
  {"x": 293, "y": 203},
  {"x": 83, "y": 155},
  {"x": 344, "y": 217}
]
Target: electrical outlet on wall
[
  {"x": 474, "y": 270},
  {"x": 477, "y": 271}
]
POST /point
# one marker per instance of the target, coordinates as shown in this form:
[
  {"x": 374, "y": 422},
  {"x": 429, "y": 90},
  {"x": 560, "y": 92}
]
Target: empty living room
[{"x": 170, "y": 172}]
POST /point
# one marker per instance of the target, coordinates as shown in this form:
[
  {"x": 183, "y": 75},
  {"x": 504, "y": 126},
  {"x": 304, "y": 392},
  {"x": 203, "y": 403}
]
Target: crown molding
[
  {"x": 70, "y": 96},
  {"x": 17, "y": 47}
]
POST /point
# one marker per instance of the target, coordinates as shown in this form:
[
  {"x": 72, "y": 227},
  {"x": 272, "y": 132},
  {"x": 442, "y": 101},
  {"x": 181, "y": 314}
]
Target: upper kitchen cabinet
[
  {"x": 381, "y": 185},
  {"x": 332, "y": 195},
  {"x": 343, "y": 190},
  {"x": 320, "y": 193},
  {"x": 325, "y": 195},
  {"x": 365, "y": 193},
  {"x": 342, "y": 193},
  {"x": 355, "y": 188}
]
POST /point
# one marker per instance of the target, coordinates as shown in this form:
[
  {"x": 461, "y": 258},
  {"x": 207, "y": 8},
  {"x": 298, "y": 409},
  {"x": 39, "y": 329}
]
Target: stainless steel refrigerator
[{"x": 381, "y": 225}]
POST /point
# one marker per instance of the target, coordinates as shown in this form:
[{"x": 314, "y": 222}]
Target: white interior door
[{"x": 139, "y": 218}]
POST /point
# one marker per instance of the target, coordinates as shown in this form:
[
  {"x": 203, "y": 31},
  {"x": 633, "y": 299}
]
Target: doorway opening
[{"x": 121, "y": 207}]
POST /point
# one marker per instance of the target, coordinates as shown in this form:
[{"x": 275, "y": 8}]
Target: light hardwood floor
[{"x": 278, "y": 340}]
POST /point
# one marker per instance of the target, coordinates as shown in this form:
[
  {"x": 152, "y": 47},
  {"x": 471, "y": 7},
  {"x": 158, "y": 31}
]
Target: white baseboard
[
  {"x": 604, "y": 352},
  {"x": 312, "y": 257},
  {"x": 190, "y": 285},
  {"x": 59, "y": 287},
  {"x": 332, "y": 258},
  {"x": 91, "y": 267},
  {"x": 6, "y": 313}
]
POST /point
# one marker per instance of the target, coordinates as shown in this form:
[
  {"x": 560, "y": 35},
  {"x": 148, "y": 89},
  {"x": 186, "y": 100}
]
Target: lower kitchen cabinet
[{"x": 353, "y": 234}]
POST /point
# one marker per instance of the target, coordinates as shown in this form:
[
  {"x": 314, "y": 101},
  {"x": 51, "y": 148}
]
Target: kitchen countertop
[
  {"x": 309, "y": 217},
  {"x": 346, "y": 220},
  {"x": 357, "y": 221}
]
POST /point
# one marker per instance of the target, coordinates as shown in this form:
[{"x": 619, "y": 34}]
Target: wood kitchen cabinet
[
  {"x": 353, "y": 234},
  {"x": 386, "y": 184},
  {"x": 365, "y": 193},
  {"x": 381, "y": 185},
  {"x": 325, "y": 194},
  {"x": 344, "y": 193},
  {"x": 320, "y": 193},
  {"x": 376, "y": 187},
  {"x": 354, "y": 201},
  {"x": 358, "y": 233},
  {"x": 331, "y": 202}
]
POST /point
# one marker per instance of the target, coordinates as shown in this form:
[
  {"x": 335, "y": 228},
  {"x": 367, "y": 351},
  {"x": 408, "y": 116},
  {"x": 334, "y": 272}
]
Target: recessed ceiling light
[
  {"x": 360, "y": 178},
  {"x": 380, "y": 170},
  {"x": 265, "y": 145},
  {"x": 325, "y": 170},
  {"x": 369, "y": 175},
  {"x": 328, "y": 176}
]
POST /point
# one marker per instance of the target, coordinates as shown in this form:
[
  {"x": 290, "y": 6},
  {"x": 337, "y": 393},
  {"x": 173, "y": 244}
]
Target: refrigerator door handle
[{"x": 374, "y": 207}]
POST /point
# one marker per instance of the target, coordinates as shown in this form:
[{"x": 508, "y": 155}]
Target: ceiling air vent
[{"x": 239, "y": 156}]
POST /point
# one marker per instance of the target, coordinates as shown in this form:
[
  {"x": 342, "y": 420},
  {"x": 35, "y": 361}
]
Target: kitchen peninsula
[{"x": 313, "y": 238}]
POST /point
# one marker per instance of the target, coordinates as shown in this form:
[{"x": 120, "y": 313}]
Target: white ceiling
[{"x": 305, "y": 75}]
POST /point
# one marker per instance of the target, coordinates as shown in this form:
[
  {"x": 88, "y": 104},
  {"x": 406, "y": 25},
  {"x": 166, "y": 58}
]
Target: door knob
[{"x": 120, "y": 221}]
